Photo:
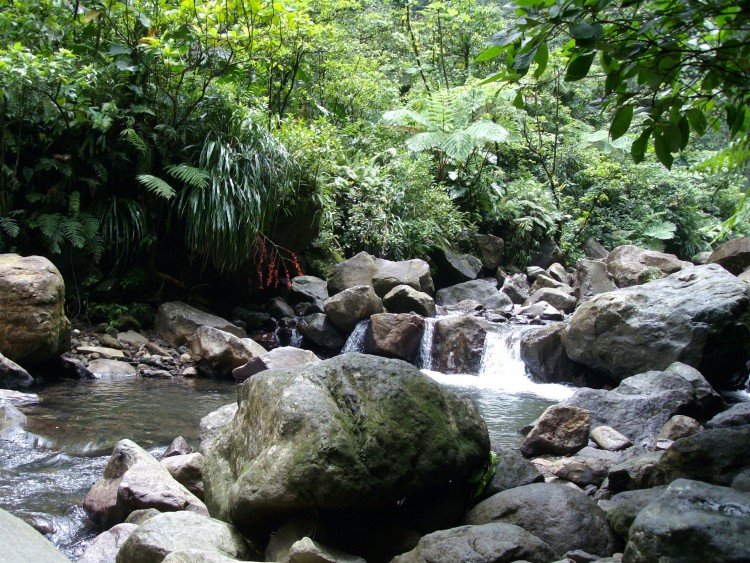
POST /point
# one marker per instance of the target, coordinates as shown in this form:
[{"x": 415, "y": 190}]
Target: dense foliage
[{"x": 234, "y": 134}]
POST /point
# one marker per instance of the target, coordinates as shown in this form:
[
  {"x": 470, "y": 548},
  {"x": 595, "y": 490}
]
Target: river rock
[
  {"x": 33, "y": 327},
  {"x": 677, "y": 427},
  {"x": 197, "y": 556},
  {"x": 104, "y": 547},
  {"x": 22, "y": 544},
  {"x": 557, "y": 272},
  {"x": 356, "y": 431},
  {"x": 486, "y": 543},
  {"x": 357, "y": 270},
  {"x": 699, "y": 316},
  {"x": 132, "y": 338},
  {"x": 733, "y": 255},
  {"x": 176, "y": 322},
  {"x": 320, "y": 330},
  {"x": 179, "y": 446},
  {"x": 594, "y": 250},
  {"x": 138, "y": 517},
  {"x": 354, "y": 304},
  {"x": 582, "y": 471},
  {"x": 105, "y": 369},
  {"x": 18, "y": 398},
  {"x": 455, "y": 267},
  {"x": 406, "y": 299},
  {"x": 394, "y": 336},
  {"x": 592, "y": 278},
  {"x": 544, "y": 355},
  {"x": 643, "y": 403},
  {"x": 560, "y": 515},
  {"x": 560, "y": 299},
  {"x": 12, "y": 421},
  {"x": 309, "y": 289},
  {"x": 458, "y": 343},
  {"x": 715, "y": 456},
  {"x": 278, "y": 358},
  {"x": 607, "y": 438},
  {"x": 178, "y": 531},
  {"x": 692, "y": 521},
  {"x": 516, "y": 288},
  {"x": 491, "y": 250},
  {"x": 560, "y": 430},
  {"x": 102, "y": 352},
  {"x": 218, "y": 352},
  {"x": 634, "y": 473},
  {"x": 736, "y": 415},
  {"x": 482, "y": 291},
  {"x": 622, "y": 508},
  {"x": 512, "y": 470},
  {"x": 13, "y": 376},
  {"x": 308, "y": 551},
  {"x": 414, "y": 273},
  {"x": 133, "y": 479},
  {"x": 630, "y": 265},
  {"x": 187, "y": 470},
  {"x": 213, "y": 422},
  {"x": 279, "y": 309}
]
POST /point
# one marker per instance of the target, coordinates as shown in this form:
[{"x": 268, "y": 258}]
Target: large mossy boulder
[
  {"x": 33, "y": 325},
  {"x": 699, "y": 316},
  {"x": 354, "y": 432}
]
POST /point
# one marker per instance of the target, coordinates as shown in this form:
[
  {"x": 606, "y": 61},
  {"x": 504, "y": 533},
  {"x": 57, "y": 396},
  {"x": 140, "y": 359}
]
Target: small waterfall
[
  {"x": 356, "y": 340},
  {"x": 424, "y": 356},
  {"x": 295, "y": 338}
]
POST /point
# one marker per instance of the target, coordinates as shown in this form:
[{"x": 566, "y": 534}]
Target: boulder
[
  {"x": 491, "y": 250},
  {"x": 457, "y": 344},
  {"x": 544, "y": 355},
  {"x": 176, "y": 322},
  {"x": 560, "y": 299},
  {"x": 736, "y": 415},
  {"x": 560, "y": 430},
  {"x": 406, "y": 299},
  {"x": 105, "y": 369},
  {"x": 457, "y": 268},
  {"x": 179, "y": 446},
  {"x": 132, "y": 338},
  {"x": 33, "y": 326},
  {"x": 699, "y": 316},
  {"x": 643, "y": 403},
  {"x": 557, "y": 272},
  {"x": 560, "y": 515},
  {"x": 733, "y": 255},
  {"x": 177, "y": 531},
  {"x": 320, "y": 330},
  {"x": 630, "y": 265},
  {"x": 607, "y": 438},
  {"x": 357, "y": 270},
  {"x": 213, "y": 422},
  {"x": 516, "y": 288},
  {"x": 714, "y": 456},
  {"x": 279, "y": 309},
  {"x": 548, "y": 254},
  {"x": 356, "y": 431},
  {"x": 18, "y": 398},
  {"x": 21, "y": 543},
  {"x": 218, "y": 352},
  {"x": 413, "y": 273},
  {"x": 485, "y": 543},
  {"x": 594, "y": 250},
  {"x": 512, "y": 470},
  {"x": 308, "y": 289},
  {"x": 354, "y": 304},
  {"x": 741, "y": 481},
  {"x": 132, "y": 480},
  {"x": 395, "y": 336},
  {"x": 634, "y": 473},
  {"x": 197, "y": 556},
  {"x": 482, "y": 291},
  {"x": 692, "y": 521},
  {"x": 13, "y": 376},
  {"x": 12, "y": 421},
  {"x": 308, "y": 551},
  {"x": 142, "y": 515},
  {"x": 104, "y": 547},
  {"x": 592, "y": 278},
  {"x": 278, "y": 358},
  {"x": 582, "y": 471},
  {"x": 187, "y": 470},
  {"x": 623, "y": 507},
  {"x": 678, "y": 427}
]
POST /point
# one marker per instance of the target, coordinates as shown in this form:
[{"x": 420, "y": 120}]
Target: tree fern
[
  {"x": 156, "y": 185},
  {"x": 664, "y": 230},
  {"x": 190, "y": 175}
]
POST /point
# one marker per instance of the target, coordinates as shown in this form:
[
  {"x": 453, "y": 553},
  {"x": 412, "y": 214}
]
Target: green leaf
[
  {"x": 621, "y": 122},
  {"x": 541, "y": 58},
  {"x": 586, "y": 31},
  {"x": 661, "y": 148},
  {"x": 579, "y": 66},
  {"x": 638, "y": 150},
  {"x": 664, "y": 230},
  {"x": 489, "y": 54},
  {"x": 518, "y": 100},
  {"x": 684, "y": 128},
  {"x": 697, "y": 120},
  {"x": 156, "y": 185}
]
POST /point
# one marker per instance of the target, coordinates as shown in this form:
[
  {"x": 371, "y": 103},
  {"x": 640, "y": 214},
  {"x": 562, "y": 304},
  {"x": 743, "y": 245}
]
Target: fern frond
[
  {"x": 665, "y": 230},
  {"x": 735, "y": 156},
  {"x": 49, "y": 225},
  {"x": 156, "y": 185},
  {"x": 406, "y": 117},
  {"x": 190, "y": 175},
  {"x": 134, "y": 140},
  {"x": 487, "y": 132},
  {"x": 458, "y": 146},
  {"x": 9, "y": 226},
  {"x": 74, "y": 203},
  {"x": 73, "y": 232},
  {"x": 426, "y": 141}
]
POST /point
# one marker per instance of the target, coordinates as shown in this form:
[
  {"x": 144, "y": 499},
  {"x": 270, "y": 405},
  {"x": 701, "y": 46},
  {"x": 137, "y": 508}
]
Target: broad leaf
[
  {"x": 621, "y": 122},
  {"x": 661, "y": 148},
  {"x": 579, "y": 66}
]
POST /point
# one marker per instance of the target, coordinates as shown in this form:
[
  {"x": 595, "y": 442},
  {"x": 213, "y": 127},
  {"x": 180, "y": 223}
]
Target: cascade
[
  {"x": 356, "y": 340},
  {"x": 424, "y": 356}
]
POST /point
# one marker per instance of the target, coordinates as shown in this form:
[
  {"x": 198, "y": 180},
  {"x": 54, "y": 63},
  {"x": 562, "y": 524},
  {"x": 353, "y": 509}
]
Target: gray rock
[
  {"x": 179, "y": 446},
  {"x": 18, "y": 398},
  {"x": 406, "y": 299},
  {"x": 218, "y": 352},
  {"x": 278, "y": 358},
  {"x": 678, "y": 427},
  {"x": 741, "y": 481},
  {"x": 142, "y": 515},
  {"x": 102, "y": 351},
  {"x": 630, "y": 265},
  {"x": 534, "y": 272},
  {"x": 557, "y": 272},
  {"x": 22, "y": 544},
  {"x": 486, "y": 543},
  {"x": 357, "y": 270},
  {"x": 491, "y": 250},
  {"x": 736, "y": 415},
  {"x": 634, "y": 473},
  {"x": 197, "y": 556},
  {"x": 516, "y": 288},
  {"x": 560, "y": 430},
  {"x": 558, "y": 298},
  {"x": 318, "y": 329},
  {"x": 692, "y": 521},
  {"x": 733, "y": 255},
  {"x": 456, "y": 267},
  {"x": 287, "y": 535},
  {"x": 512, "y": 470},
  {"x": 132, "y": 480},
  {"x": 178, "y": 531},
  {"x": 213, "y": 422},
  {"x": 548, "y": 254},
  {"x": 458, "y": 343},
  {"x": 562, "y": 516},
  {"x": 279, "y": 309},
  {"x": 309, "y": 289},
  {"x": 132, "y": 338},
  {"x": 33, "y": 326},
  {"x": 104, "y": 369},
  {"x": 413, "y": 273},
  {"x": 594, "y": 250},
  {"x": 12, "y": 421},
  {"x": 13, "y": 376},
  {"x": 354, "y": 431},
  {"x": 176, "y": 322},
  {"x": 308, "y": 551},
  {"x": 714, "y": 456},
  {"x": 395, "y": 336},
  {"x": 592, "y": 278},
  {"x": 622, "y": 508},
  {"x": 607, "y": 438},
  {"x": 482, "y": 291},
  {"x": 354, "y": 304},
  {"x": 187, "y": 470},
  {"x": 544, "y": 355},
  {"x": 104, "y": 547},
  {"x": 582, "y": 471}
]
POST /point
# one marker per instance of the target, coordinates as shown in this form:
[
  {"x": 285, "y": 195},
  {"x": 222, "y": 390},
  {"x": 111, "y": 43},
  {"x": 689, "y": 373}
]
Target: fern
[
  {"x": 665, "y": 230},
  {"x": 134, "y": 140},
  {"x": 190, "y": 175},
  {"x": 49, "y": 225},
  {"x": 156, "y": 185},
  {"x": 72, "y": 231},
  {"x": 9, "y": 226},
  {"x": 74, "y": 203},
  {"x": 734, "y": 157}
]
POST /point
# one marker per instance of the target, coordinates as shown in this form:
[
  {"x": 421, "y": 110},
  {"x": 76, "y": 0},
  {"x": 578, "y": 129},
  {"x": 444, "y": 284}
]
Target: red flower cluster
[{"x": 270, "y": 259}]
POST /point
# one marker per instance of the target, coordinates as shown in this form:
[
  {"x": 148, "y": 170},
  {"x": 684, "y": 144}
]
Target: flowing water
[
  {"x": 72, "y": 431},
  {"x": 356, "y": 340}
]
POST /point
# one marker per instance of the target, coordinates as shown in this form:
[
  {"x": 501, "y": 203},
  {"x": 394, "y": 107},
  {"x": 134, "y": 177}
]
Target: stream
[{"x": 72, "y": 431}]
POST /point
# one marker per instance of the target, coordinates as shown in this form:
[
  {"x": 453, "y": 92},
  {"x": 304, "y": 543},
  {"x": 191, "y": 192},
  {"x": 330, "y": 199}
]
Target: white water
[
  {"x": 424, "y": 356},
  {"x": 356, "y": 340}
]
